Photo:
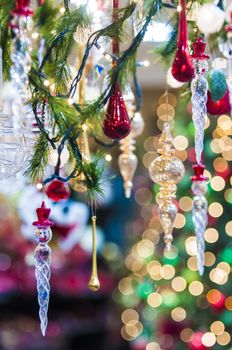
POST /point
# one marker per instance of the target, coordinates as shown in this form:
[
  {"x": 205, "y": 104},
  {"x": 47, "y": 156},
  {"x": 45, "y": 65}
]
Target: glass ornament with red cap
[
  {"x": 199, "y": 212},
  {"x": 199, "y": 88},
  {"x": 42, "y": 258},
  {"x": 182, "y": 66}
]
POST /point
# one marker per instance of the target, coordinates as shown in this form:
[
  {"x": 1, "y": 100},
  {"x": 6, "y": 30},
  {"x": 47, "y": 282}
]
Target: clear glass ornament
[
  {"x": 127, "y": 163},
  {"x": 199, "y": 88},
  {"x": 127, "y": 160},
  {"x": 13, "y": 149},
  {"x": 21, "y": 59},
  {"x": 200, "y": 219},
  {"x": 42, "y": 257},
  {"x": 167, "y": 171}
]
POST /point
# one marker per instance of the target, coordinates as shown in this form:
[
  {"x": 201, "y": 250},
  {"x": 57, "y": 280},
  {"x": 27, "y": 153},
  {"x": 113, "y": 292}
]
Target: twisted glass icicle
[
  {"x": 199, "y": 87},
  {"x": 200, "y": 220},
  {"x": 42, "y": 257},
  {"x": 21, "y": 59}
]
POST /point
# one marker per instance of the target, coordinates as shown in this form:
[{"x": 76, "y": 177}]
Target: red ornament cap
[
  {"x": 116, "y": 124},
  {"x": 198, "y": 173},
  {"x": 43, "y": 217},
  {"x": 199, "y": 49},
  {"x": 22, "y": 8}
]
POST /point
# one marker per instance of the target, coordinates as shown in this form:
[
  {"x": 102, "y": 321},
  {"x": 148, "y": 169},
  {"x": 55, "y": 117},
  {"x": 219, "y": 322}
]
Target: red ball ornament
[
  {"x": 57, "y": 190},
  {"x": 219, "y": 107},
  {"x": 182, "y": 67},
  {"x": 22, "y": 8},
  {"x": 116, "y": 124}
]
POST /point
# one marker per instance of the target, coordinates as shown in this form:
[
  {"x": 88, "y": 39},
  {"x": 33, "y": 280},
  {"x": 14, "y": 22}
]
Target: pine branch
[
  {"x": 45, "y": 18},
  {"x": 60, "y": 42},
  {"x": 39, "y": 159},
  {"x": 169, "y": 49},
  {"x": 5, "y": 34}
]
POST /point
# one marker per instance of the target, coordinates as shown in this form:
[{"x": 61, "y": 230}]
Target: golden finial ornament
[
  {"x": 94, "y": 283},
  {"x": 128, "y": 160},
  {"x": 166, "y": 170}
]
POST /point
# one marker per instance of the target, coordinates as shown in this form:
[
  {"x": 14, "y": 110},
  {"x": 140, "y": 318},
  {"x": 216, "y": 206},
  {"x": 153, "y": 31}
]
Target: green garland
[{"x": 58, "y": 31}]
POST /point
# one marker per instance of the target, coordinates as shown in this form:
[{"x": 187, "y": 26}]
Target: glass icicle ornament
[
  {"x": 166, "y": 170},
  {"x": 199, "y": 87},
  {"x": 199, "y": 212},
  {"x": 42, "y": 255},
  {"x": 20, "y": 56},
  {"x": 127, "y": 160},
  {"x": 182, "y": 67}
]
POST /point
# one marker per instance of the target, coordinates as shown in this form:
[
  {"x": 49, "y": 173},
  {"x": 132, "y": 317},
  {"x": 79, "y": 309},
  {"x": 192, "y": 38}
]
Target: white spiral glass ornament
[
  {"x": 199, "y": 87},
  {"x": 199, "y": 212},
  {"x": 42, "y": 256}
]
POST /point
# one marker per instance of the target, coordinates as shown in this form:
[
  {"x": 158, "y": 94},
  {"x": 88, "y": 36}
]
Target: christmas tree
[{"x": 167, "y": 304}]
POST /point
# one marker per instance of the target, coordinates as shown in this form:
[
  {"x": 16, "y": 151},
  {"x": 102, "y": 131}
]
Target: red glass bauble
[
  {"x": 182, "y": 67},
  {"x": 116, "y": 124},
  {"x": 22, "y": 8},
  {"x": 219, "y": 107},
  {"x": 57, "y": 190}
]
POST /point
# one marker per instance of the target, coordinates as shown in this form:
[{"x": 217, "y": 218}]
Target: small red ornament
[
  {"x": 43, "y": 217},
  {"x": 219, "y": 107},
  {"x": 116, "y": 124},
  {"x": 182, "y": 67},
  {"x": 57, "y": 190},
  {"x": 22, "y": 8}
]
